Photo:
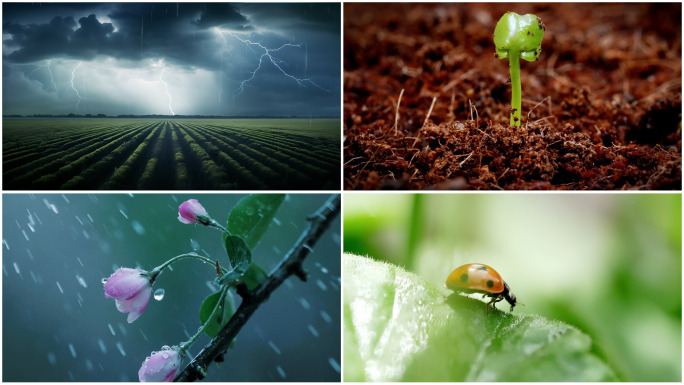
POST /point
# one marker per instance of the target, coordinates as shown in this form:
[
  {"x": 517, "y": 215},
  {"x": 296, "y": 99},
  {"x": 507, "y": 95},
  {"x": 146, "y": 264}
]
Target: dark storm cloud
[
  {"x": 191, "y": 43},
  {"x": 136, "y": 31}
]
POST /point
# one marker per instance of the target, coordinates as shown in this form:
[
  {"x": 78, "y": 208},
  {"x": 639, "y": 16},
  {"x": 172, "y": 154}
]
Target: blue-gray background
[{"x": 58, "y": 326}]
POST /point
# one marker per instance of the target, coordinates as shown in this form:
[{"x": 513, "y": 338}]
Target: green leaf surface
[
  {"x": 253, "y": 215},
  {"x": 239, "y": 253},
  {"x": 398, "y": 327},
  {"x": 222, "y": 316},
  {"x": 254, "y": 275}
]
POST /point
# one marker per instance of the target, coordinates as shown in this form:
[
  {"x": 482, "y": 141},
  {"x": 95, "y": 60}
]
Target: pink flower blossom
[
  {"x": 191, "y": 211},
  {"x": 131, "y": 288},
  {"x": 161, "y": 366}
]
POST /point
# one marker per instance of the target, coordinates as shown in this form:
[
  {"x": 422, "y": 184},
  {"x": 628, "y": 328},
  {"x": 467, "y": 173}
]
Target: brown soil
[{"x": 601, "y": 106}]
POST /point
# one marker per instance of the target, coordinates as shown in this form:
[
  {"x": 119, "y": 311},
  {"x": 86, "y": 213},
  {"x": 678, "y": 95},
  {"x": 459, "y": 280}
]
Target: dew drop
[
  {"x": 159, "y": 294},
  {"x": 103, "y": 280}
]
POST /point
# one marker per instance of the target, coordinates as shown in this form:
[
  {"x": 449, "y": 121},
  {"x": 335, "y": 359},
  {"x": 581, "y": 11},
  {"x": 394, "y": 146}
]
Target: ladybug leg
[{"x": 493, "y": 302}]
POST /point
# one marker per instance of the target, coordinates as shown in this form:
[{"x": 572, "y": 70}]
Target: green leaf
[
  {"x": 254, "y": 275},
  {"x": 253, "y": 215},
  {"x": 239, "y": 254},
  {"x": 521, "y": 34},
  {"x": 222, "y": 316},
  {"x": 398, "y": 327}
]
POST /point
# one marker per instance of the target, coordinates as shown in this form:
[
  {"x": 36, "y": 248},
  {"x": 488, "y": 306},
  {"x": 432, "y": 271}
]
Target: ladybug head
[{"x": 509, "y": 296}]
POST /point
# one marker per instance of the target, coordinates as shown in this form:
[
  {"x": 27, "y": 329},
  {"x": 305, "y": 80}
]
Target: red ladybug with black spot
[{"x": 482, "y": 279}]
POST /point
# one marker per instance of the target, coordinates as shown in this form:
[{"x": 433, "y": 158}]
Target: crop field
[{"x": 183, "y": 154}]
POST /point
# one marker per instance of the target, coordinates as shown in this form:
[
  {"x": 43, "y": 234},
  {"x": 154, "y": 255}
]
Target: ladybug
[{"x": 480, "y": 278}]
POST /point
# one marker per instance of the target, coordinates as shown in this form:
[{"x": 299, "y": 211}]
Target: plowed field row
[{"x": 129, "y": 154}]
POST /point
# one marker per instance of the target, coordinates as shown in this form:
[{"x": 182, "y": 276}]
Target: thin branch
[{"x": 290, "y": 265}]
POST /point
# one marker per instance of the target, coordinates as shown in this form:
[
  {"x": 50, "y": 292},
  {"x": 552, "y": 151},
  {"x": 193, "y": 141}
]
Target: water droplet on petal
[
  {"x": 103, "y": 280},
  {"x": 159, "y": 294}
]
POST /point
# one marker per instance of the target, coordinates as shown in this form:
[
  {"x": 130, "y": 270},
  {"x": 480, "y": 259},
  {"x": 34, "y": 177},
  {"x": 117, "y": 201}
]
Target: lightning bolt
[
  {"x": 47, "y": 66},
  {"x": 268, "y": 54},
  {"x": 166, "y": 87},
  {"x": 73, "y": 75}
]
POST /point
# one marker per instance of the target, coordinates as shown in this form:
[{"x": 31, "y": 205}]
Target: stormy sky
[{"x": 171, "y": 58}]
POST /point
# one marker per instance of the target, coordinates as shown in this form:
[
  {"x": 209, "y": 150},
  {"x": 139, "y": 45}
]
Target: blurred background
[
  {"x": 58, "y": 325},
  {"x": 609, "y": 264}
]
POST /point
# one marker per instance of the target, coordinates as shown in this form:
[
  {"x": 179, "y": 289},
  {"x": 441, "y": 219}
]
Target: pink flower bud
[
  {"x": 191, "y": 211},
  {"x": 131, "y": 288},
  {"x": 161, "y": 366}
]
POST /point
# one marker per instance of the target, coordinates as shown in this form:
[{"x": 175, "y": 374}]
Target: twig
[
  {"x": 290, "y": 265},
  {"x": 429, "y": 111},
  {"x": 396, "y": 115},
  {"x": 528, "y": 113}
]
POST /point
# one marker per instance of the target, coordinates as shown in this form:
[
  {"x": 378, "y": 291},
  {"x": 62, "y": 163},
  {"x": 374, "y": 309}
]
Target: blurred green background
[{"x": 609, "y": 264}]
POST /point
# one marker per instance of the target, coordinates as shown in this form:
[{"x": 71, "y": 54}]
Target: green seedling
[{"x": 517, "y": 36}]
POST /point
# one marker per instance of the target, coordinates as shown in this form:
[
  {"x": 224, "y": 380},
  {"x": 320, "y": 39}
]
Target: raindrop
[
  {"x": 325, "y": 316},
  {"x": 60, "y": 288},
  {"x": 274, "y": 347},
  {"x": 280, "y": 371},
  {"x": 309, "y": 248},
  {"x": 102, "y": 346},
  {"x": 277, "y": 222},
  {"x": 4, "y": 242},
  {"x": 73, "y": 351},
  {"x": 123, "y": 213},
  {"x": 336, "y": 238},
  {"x": 313, "y": 330},
  {"x": 25, "y": 235},
  {"x": 194, "y": 244},
  {"x": 122, "y": 328},
  {"x": 51, "y": 206},
  {"x": 90, "y": 218},
  {"x": 16, "y": 268},
  {"x": 79, "y": 261},
  {"x": 121, "y": 349},
  {"x": 85, "y": 234},
  {"x": 31, "y": 228},
  {"x": 89, "y": 365},
  {"x": 334, "y": 285},
  {"x": 81, "y": 281},
  {"x": 305, "y": 304},
  {"x": 143, "y": 334},
  {"x": 111, "y": 329},
  {"x": 321, "y": 285},
  {"x": 138, "y": 228},
  {"x": 159, "y": 294},
  {"x": 334, "y": 364},
  {"x": 52, "y": 358},
  {"x": 30, "y": 254}
]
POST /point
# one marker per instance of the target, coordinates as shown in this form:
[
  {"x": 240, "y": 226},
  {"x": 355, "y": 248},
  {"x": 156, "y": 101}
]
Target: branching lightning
[
  {"x": 73, "y": 75},
  {"x": 166, "y": 87},
  {"x": 47, "y": 66},
  {"x": 268, "y": 54}
]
